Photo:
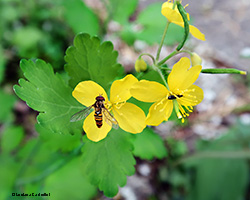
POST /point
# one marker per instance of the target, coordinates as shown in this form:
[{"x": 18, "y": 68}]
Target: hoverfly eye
[{"x": 100, "y": 98}]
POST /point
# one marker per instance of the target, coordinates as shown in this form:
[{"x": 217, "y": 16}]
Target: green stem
[
  {"x": 162, "y": 41},
  {"x": 162, "y": 76},
  {"x": 175, "y": 52},
  {"x": 165, "y": 68},
  {"x": 147, "y": 54},
  {"x": 186, "y": 51},
  {"x": 223, "y": 71},
  {"x": 51, "y": 169},
  {"x": 139, "y": 75},
  {"x": 186, "y": 25},
  {"x": 168, "y": 57}
]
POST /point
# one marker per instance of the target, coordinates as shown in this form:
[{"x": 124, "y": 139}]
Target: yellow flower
[
  {"x": 129, "y": 117},
  {"x": 195, "y": 59},
  {"x": 182, "y": 94},
  {"x": 140, "y": 65},
  {"x": 174, "y": 16}
]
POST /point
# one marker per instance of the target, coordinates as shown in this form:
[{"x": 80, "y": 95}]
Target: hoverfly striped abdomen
[
  {"x": 98, "y": 118},
  {"x": 98, "y": 110}
]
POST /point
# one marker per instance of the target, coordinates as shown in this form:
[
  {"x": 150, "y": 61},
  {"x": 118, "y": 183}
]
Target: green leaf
[
  {"x": 26, "y": 40},
  {"x": 2, "y": 64},
  {"x": 80, "y": 17},
  {"x": 106, "y": 163},
  {"x": 121, "y": 10},
  {"x": 47, "y": 93},
  {"x": 148, "y": 145},
  {"x": 174, "y": 35},
  {"x": 215, "y": 169},
  {"x": 214, "y": 174},
  {"x": 153, "y": 23},
  {"x": 91, "y": 59},
  {"x": 69, "y": 183},
  {"x": 55, "y": 142},
  {"x": 152, "y": 76},
  {"x": 11, "y": 138},
  {"x": 128, "y": 34},
  {"x": 6, "y": 105},
  {"x": 143, "y": 105},
  {"x": 8, "y": 172},
  {"x": 34, "y": 188},
  {"x": 178, "y": 147}
]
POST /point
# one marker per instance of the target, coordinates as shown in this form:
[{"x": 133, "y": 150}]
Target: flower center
[
  {"x": 108, "y": 105},
  {"x": 117, "y": 105},
  {"x": 180, "y": 105},
  {"x": 172, "y": 96}
]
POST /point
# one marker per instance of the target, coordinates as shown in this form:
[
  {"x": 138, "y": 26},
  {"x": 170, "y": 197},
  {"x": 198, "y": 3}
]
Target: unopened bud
[
  {"x": 196, "y": 59},
  {"x": 243, "y": 72},
  {"x": 140, "y": 65}
]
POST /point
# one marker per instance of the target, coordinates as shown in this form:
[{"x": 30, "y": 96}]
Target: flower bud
[
  {"x": 140, "y": 65},
  {"x": 196, "y": 59}
]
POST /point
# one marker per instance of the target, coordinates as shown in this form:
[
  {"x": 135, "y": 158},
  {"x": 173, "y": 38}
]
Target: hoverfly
[{"x": 99, "y": 109}]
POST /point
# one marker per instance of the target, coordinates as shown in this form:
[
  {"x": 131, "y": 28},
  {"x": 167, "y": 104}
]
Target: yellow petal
[
  {"x": 170, "y": 14},
  {"x": 130, "y": 118},
  {"x": 86, "y": 92},
  {"x": 120, "y": 89},
  {"x": 167, "y": 5},
  {"x": 193, "y": 30},
  {"x": 192, "y": 97},
  {"x": 173, "y": 15},
  {"x": 196, "y": 33},
  {"x": 181, "y": 77},
  {"x": 148, "y": 91},
  {"x": 160, "y": 111},
  {"x": 93, "y": 132}
]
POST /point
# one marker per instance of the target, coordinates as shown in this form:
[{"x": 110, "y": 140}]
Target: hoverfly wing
[
  {"x": 81, "y": 114},
  {"x": 108, "y": 117}
]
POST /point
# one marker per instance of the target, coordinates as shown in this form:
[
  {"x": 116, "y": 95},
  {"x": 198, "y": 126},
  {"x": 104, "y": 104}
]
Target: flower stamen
[{"x": 118, "y": 105}]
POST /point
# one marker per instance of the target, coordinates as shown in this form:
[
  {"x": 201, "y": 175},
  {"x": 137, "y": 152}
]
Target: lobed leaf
[
  {"x": 148, "y": 145},
  {"x": 55, "y": 142},
  {"x": 47, "y": 93},
  {"x": 89, "y": 59},
  {"x": 107, "y": 162}
]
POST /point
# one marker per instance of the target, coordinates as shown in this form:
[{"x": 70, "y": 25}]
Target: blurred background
[{"x": 208, "y": 157}]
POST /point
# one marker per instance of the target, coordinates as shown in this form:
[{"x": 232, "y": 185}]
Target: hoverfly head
[{"x": 100, "y": 98}]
